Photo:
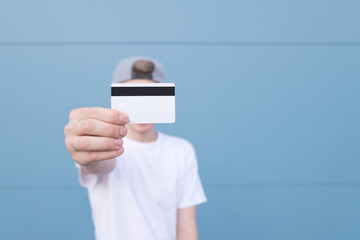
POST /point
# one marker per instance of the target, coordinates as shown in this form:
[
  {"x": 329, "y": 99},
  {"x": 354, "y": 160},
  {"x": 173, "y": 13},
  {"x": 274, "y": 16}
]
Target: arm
[{"x": 186, "y": 224}]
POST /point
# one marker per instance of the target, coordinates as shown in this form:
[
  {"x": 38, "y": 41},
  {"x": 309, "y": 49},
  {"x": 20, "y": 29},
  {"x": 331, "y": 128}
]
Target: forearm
[
  {"x": 100, "y": 168},
  {"x": 189, "y": 234}
]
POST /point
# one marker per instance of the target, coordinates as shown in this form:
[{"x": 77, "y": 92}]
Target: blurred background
[{"x": 267, "y": 91}]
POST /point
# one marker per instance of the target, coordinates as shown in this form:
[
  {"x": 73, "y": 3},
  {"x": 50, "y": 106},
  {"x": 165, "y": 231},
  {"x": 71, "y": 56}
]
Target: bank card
[{"x": 145, "y": 102}]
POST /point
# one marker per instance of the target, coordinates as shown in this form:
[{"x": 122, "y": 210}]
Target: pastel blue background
[{"x": 267, "y": 91}]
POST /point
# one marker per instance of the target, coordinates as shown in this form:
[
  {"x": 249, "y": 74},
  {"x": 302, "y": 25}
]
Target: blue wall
[{"x": 268, "y": 92}]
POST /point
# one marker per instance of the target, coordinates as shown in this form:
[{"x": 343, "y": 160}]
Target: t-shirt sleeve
[
  {"x": 86, "y": 180},
  {"x": 192, "y": 192}
]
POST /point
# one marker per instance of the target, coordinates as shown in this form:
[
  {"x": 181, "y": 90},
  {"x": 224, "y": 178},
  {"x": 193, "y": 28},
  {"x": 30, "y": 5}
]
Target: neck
[{"x": 148, "y": 136}]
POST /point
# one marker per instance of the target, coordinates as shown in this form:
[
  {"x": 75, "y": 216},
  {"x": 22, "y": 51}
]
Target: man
[{"x": 142, "y": 184}]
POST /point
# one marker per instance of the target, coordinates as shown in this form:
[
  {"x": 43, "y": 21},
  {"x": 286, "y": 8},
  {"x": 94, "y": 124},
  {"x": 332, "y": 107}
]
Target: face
[{"x": 143, "y": 127}]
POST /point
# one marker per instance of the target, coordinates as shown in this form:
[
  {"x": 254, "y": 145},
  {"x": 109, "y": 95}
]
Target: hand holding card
[{"x": 145, "y": 102}]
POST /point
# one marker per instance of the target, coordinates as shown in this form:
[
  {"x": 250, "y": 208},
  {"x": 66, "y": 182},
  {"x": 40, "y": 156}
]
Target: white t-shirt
[{"x": 139, "y": 199}]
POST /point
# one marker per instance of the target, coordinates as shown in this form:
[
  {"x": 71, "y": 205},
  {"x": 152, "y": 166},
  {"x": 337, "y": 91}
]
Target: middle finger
[{"x": 98, "y": 128}]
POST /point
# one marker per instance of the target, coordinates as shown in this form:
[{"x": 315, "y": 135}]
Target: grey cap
[{"x": 125, "y": 70}]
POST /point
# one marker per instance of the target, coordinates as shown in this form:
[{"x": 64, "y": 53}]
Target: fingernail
[
  {"x": 123, "y": 119},
  {"x": 123, "y": 132},
  {"x": 118, "y": 142},
  {"x": 120, "y": 150}
]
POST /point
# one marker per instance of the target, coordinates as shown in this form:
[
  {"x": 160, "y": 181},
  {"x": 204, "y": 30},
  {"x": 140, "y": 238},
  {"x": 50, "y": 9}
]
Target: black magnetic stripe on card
[{"x": 142, "y": 91}]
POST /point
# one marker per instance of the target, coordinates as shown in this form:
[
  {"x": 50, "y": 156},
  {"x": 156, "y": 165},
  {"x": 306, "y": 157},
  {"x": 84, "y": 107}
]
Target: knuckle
[
  {"x": 67, "y": 129},
  {"x": 113, "y": 130},
  {"x": 76, "y": 158},
  {"x": 109, "y": 144},
  {"x": 81, "y": 143},
  {"x": 67, "y": 143},
  {"x": 90, "y": 112},
  {"x": 115, "y": 115},
  {"x": 73, "y": 113},
  {"x": 86, "y": 126},
  {"x": 113, "y": 154},
  {"x": 93, "y": 156},
  {"x": 79, "y": 158}
]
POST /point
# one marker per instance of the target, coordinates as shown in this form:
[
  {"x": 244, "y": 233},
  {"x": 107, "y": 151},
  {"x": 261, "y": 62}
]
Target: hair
[{"x": 143, "y": 69}]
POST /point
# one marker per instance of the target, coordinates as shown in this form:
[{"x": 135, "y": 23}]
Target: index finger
[{"x": 102, "y": 114}]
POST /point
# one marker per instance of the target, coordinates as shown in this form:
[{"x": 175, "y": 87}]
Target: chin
[{"x": 141, "y": 127}]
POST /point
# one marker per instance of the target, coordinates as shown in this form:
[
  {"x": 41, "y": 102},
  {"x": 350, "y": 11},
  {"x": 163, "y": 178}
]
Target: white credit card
[{"x": 145, "y": 102}]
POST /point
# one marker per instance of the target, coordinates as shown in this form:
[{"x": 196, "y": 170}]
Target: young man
[{"x": 144, "y": 186}]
